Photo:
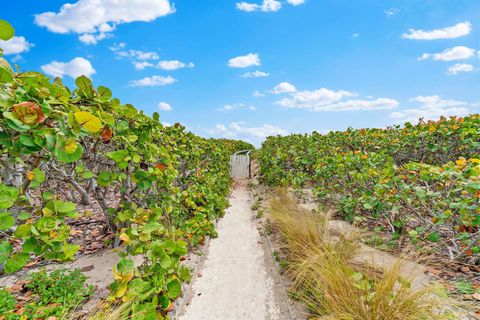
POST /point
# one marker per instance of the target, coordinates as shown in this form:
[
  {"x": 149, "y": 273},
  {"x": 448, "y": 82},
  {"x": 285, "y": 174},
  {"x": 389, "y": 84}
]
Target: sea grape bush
[
  {"x": 422, "y": 181},
  {"x": 158, "y": 188}
]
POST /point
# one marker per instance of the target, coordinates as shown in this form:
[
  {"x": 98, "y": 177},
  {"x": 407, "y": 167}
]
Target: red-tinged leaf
[
  {"x": 106, "y": 134},
  {"x": 161, "y": 166},
  {"x": 29, "y": 113}
]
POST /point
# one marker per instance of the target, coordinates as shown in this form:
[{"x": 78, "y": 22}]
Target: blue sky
[{"x": 260, "y": 67}]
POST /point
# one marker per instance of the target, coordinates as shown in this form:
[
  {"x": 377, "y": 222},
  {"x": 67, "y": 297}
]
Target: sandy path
[{"x": 238, "y": 279}]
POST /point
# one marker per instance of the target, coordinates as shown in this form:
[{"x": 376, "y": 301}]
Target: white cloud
[
  {"x": 74, "y": 68},
  {"x": 455, "y": 53},
  {"x": 15, "y": 45},
  {"x": 240, "y": 130},
  {"x": 355, "y": 35},
  {"x": 284, "y": 87},
  {"x": 460, "y": 67},
  {"x": 141, "y": 65},
  {"x": 431, "y": 108},
  {"x": 251, "y": 59},
  {"x": 153, "y": 81},
  {"x": 266, "y": 6},
  {"x": 257, "y": 94},
  {"x": 164, "y": 106},
  {"x": 456, "y": 31},
  {"x": 171, "y": 65},
  {"x": 118, "y": 46},
  {"x": 392, "y": 12},
  {"x": 296, "y": 2},
  {"x": 255, "y": 74},
  {"x": 328, "y": 100},
  {"x": 91, "y": 38},
  {"x": 235, "y": 106},
  {"x": 99, "y": 17},
  {"x": 137, "y": 54}
]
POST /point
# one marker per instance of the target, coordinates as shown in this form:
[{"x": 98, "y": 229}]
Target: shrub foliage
[
  {"x": 158, "y": 188},
  {"x": 422, "y": 181}
]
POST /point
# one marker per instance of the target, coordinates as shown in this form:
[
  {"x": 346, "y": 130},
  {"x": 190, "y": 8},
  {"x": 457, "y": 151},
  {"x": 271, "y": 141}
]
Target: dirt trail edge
[{"x": 238, "y": 279}]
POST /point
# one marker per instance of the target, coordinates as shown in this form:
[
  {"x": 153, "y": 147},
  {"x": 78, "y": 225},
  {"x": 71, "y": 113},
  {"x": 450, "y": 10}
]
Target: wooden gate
[{"x": 240, "y": 165}]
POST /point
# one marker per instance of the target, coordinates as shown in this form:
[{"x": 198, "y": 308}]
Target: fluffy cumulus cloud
[
  {"x": 240, "y": 130},
  {"x": 141, "y": 65},
  {"x": 257, "y": 94},
  {"x": 431, "y": 108},
  {"x": 236, "y": 106},
  {"x": 265, "y": 6},
  {"x": 251, "y": 59},
  {"x": 95, "y": 19},
  {"x": 256, "y": 74},
  {"x": 296, "y": 2},
  {"x": 145, "y": 59},
  {"x": 15, "y": 45},
  {"x": 455, "y": 53},
  {"x": 171, "y": 65},
  {"x": 284, "y": 87},
  {"x": 164, "y": 106},
  {"x": 153, "y": 81},
  {"x": 456, "y": 31},
  {"x": 460, "y": 68},
  {"x": 137, "y": 55},
  {"x": 74, "y": 68},
  {"x": 324, "y": 99}
]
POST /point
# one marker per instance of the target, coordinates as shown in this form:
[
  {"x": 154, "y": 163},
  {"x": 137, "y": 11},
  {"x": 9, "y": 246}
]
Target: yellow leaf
[
  {"x": 125, "y": 238},
  {"x": 71, "y": 146},
  {"x": 122, "y": 289},
  {"x": 122, "y": 276},
  {"x": 90, "y": 122},
  {"x": 30, "y": 175}
]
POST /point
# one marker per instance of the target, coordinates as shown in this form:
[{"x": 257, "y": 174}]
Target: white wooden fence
[{"x": 240, "y": 165}]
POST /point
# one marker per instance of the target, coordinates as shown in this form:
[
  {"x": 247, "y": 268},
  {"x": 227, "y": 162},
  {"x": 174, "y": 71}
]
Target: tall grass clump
[{"x": 326, "y": 277}]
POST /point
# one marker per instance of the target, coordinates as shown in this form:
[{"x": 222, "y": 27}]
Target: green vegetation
[
  {"x": 420, "y": 182},
  {"x": 46, "y": 295},
  {"x": 158, "y": 188}
]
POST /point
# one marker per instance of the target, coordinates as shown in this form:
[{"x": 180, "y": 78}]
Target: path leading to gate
[{"x": 238, "y": 280}]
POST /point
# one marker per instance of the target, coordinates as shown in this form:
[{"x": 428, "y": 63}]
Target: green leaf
[
  {"x": 104, "y": 94},
  {"x": 69, "y": 251},
  {"x": 85, "y": 87},
  {"x": 6, "y": 221},
  {"x": 24, "y": 216},
  {"x": 68, "y": 150},
  {"x": 6, "y": 30},
  {"x": 14, "y": 123},
  {"x": 434, "y": 236},
  {"x": 61, "y": 206},
  {"x": 118, "y": 156},
  {"x": 165, "y": 261},
  {"x": 8, "y": 196},
  {"x": 174, "y": 288},
  {"x": 16, "y": 262},
  {"x": 368, "y": 206},
  {"x": 46, "y": 224},
  {"x": 23, "y": 230},
  {"x": 38, "y": 178},
  {"x": 5, "y": 251}
]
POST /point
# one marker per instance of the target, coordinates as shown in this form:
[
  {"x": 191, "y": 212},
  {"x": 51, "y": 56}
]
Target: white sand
[{"x": 236, "y": 281}]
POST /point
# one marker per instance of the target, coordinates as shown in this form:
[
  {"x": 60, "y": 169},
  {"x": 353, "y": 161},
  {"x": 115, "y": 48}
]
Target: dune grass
[{"x": 333, "y": 285}]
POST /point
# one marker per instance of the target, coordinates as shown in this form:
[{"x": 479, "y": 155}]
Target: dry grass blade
[{"x": 333, "y": 284}]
